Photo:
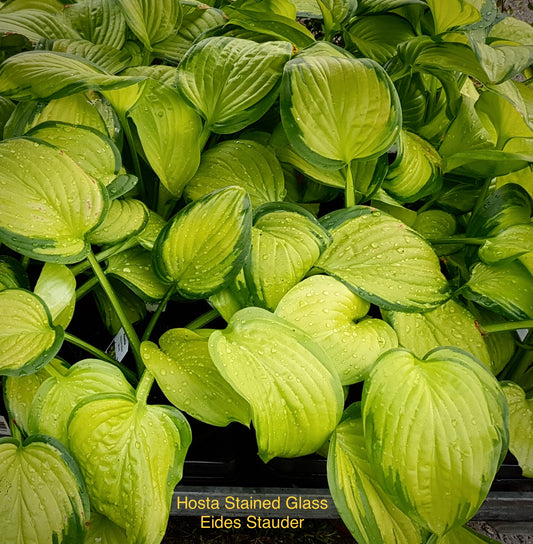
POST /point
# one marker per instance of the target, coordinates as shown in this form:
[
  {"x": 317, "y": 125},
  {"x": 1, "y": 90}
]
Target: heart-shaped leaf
[
  {"x": 489, "y": 286},
  {"x": 378, "y": 6},
  {"x": 57, "y": 287},
  {"x": 134, "y": 268},
  {"x": 61, "y": 392},
  {"x": 43, "y": 497},
  {"x": 520, "y": 426},
  {"x": 98, "y": 21},
  {"x": 244, "y": 163},
  {"x": 417, "y": 170},
  {"x": 448, "y": 415},
  {"x": 169, "y": 131},
  {"x": 19, "y": 392},
  {"x": 48, "y": 74},
  {"x": 131, "y": 456},
  {"x": 187, "y": 375},
  {"x": 286, "y": 242},
  {"x": 369, "y": 513},
  {"x": 152, "y": 22},
  {"x": 48, "y": 203},
  {"x": 508, "y": 244},
  {"x": 452, "y": 14},
  {"x": 232, "y": 82},
  {"x": 76, "y": 109},
  {"x": 338, "y": 125},
  {"x": 125, "y": 218},
  {"x": 293, "y": 390},
  {"x": 335, "y": 318},
  {"x": 383, "y": 260},
  {"x": 203, "y": 247},
  {"x": 28, "y": 338},
  {"x": 509, "y": 205},
  {"x": 450, "y": 324},
  {"x": 376, "y": 36},
  {"x": 35, "y": 24},
  {"x": 93, "y": 151}
]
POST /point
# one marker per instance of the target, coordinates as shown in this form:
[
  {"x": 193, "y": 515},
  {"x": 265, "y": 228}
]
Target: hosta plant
[{"x": 334, "y": 211}]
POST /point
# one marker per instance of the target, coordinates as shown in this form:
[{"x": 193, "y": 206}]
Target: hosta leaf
[
  {"x": 461, "y": 535},
  {"x": 245, "y": 163},
  {"x": 232, "y": 82},
  {"x": 520, "y": 426},
  {"x": 188, "y": 377},
  {"x": 369, "y": 513},
  {"x": 169, "y": 131},
  {"x": 271, "y": 24},
  {"x": 43, "y": 496},
  {"x": 12, "y": 274},
  {"x": 19, "y": 392},
  {"x": 338, "y": 12},
  {"x": 376, "y": 36},
  {"x": 131, "y": 456},
  {"x": 134, "y": 267},
  {"x": 383, "y": 260},
  {"x": 448, "y": 415},
  {"x": 286, "y": 242},
  {"x": 452, "y": 14},
  {"x": 447, "y": 325},
  {"x": 509, "y": 205},
  {"x": 198, "y": 20},
  {"x": 35, "y": 24},
  {"x": 294, "y": 393},
  {"x": 152, "y": 22},
  {"x": 104, "y": 531},
  {"x": 508, "y": 244},
  {"x": 48, "y": 203},
  {"x": 437, "y": 224},
  {"x": 378, "y": 6},
  {"x": 28, "y": 338},
  {"x": 338, "y": 126},
  {"x": 48, "y": 74},
  {"x": 98, "y": 21},
  {"x": 57, "y": 287},
  {"x": 126, "y": 217},
  {"x": 76, "y": 109},
  {"x": 149, "y": 234},
  {"x": 486, "y": 163},
  {"x": 92, "y": 150},
  {"x": 61, "y": 392},
  {"x": 335, "y": 318},
  {"x": 503, "y": 288},
  {"x": 279, "y": 7},
  {"x": 203, "y": 247},
  {"x": 502, "y": 61},
  {"x": 417, "y": 170},
  {"x": 50, "y": 6},
  {"x": 105, "y": 57}
]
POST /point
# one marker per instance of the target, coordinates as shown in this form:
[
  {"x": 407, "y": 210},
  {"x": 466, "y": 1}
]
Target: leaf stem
[
  {"x": 349, "y": 190},
  {"x": 144, "y": 387},
  {"x": 157, "y": 314},
  {"x": 204, "y": 136},
  {"x": 86, "y": 288},
  {"x": 124, "y": 321},
  {"x": 105, "y": 254},
  {"x": 99, "y": 354},
  {"x": 133, "y": 151},
  {"x": 507, "y": 326},
  {"x": 203, "y": 320},
  {"x": 54, "y": 372}
]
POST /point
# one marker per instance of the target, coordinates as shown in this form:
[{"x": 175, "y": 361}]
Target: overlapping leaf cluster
[{"x": 356, "y": 208}]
